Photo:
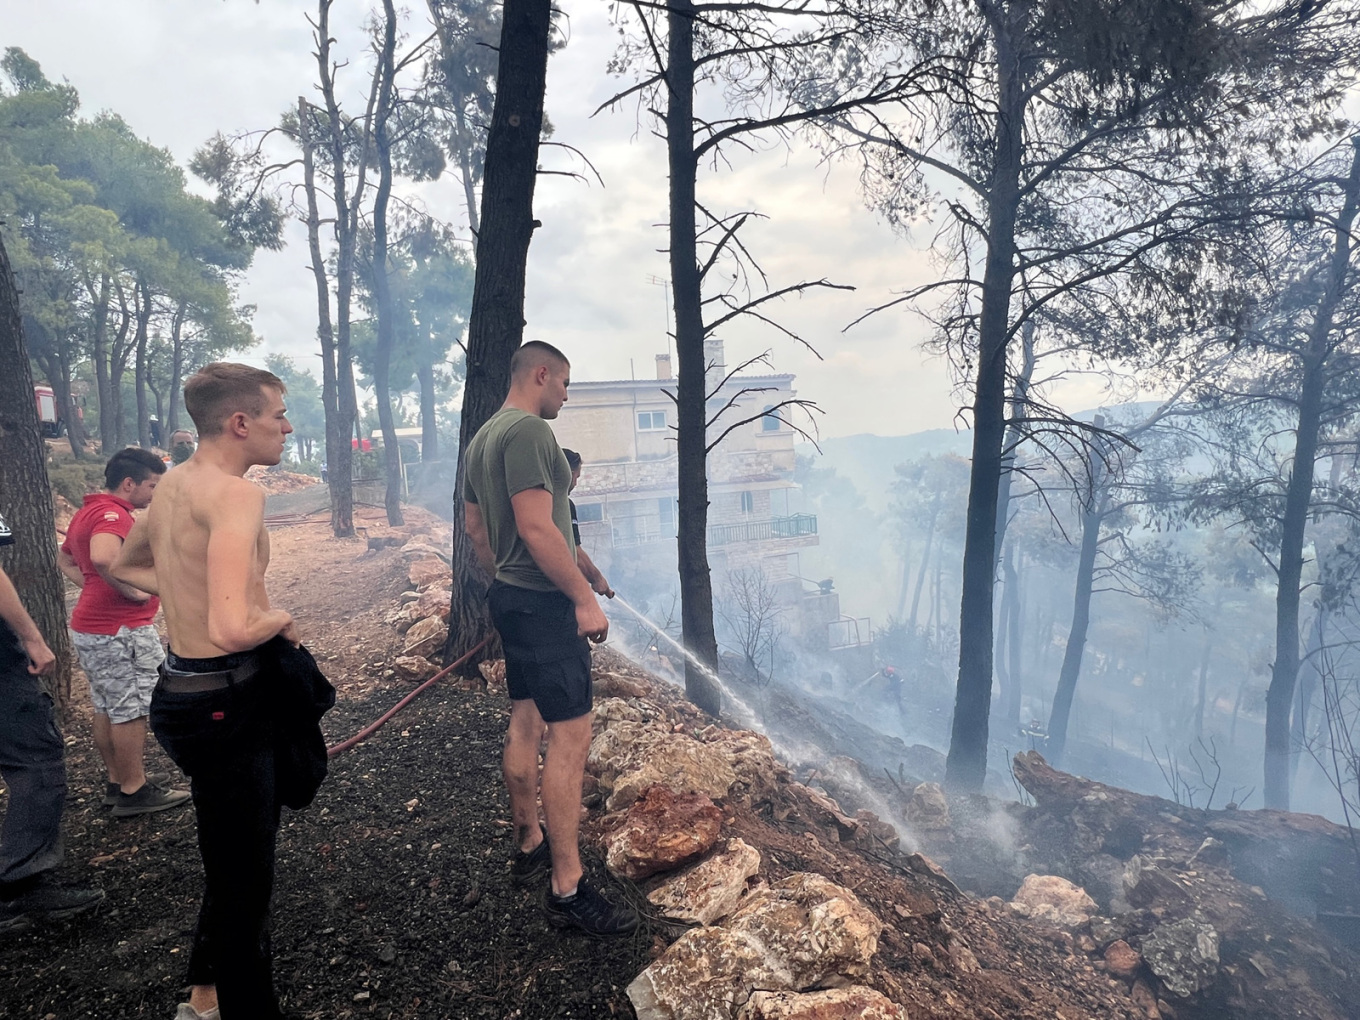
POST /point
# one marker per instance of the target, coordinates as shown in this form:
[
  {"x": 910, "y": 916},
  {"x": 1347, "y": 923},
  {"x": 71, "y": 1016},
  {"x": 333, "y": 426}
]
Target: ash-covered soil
[{"x": 393, "y": 896}]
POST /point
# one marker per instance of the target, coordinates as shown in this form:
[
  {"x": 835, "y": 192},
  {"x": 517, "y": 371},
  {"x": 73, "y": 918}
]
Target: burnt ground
[{"x": 393, "y": 897}]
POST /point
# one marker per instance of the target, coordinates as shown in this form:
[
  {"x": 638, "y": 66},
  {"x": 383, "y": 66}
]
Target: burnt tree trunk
[
  {"x": 496, "y": 321},
  {"x": 966, "y": 765},
  {"x": 1019, "y": 405},
  {"x": 382, "y": 289},
  {"x": 1298, "y": 500},
  {"x": 1070, "y": 672},
  {"x": 1017, "y": 635},
  {"x": 696, "y": 582},
  {"x": 31, "y": 562},
  {"x": 925, "y": 565}
]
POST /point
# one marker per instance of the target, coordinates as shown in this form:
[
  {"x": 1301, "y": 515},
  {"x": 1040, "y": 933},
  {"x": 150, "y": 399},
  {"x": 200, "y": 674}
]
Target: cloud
[{"x": 177, "y": 78}]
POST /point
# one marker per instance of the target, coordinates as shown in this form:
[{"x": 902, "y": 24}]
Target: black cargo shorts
[{"x": 545, "y": 659}]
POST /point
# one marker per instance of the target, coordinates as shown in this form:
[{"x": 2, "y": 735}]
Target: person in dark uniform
[
  {"x": 33, "y": 765},
  {"x": 593, "y": 573}
]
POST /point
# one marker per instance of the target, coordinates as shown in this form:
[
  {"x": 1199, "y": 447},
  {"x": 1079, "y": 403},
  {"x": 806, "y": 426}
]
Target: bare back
[
  {"x": 193, "y": 501},
  {"x": 202, "y": 545}
]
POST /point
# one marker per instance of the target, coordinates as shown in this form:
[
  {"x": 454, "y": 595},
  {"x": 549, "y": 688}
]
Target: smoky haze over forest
[{"x": 1119, "y": 237}]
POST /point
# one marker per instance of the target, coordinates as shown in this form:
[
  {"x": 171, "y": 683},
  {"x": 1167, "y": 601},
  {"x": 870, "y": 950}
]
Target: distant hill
[{"x": 867, "y": 460}]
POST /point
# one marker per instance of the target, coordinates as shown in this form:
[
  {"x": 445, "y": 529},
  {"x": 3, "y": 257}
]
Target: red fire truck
[{"x": 50, "y": 419}]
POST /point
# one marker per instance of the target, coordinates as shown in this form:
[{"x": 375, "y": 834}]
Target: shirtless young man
[
  {"x": 202, "y": 547},
  {"x": 517, "y": 517}
]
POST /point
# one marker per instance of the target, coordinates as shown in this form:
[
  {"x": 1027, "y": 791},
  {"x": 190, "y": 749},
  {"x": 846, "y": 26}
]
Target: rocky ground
[{"x": 393, "y": 897}]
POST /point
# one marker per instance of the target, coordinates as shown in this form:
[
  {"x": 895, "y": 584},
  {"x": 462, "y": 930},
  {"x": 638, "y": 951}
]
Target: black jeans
[
  {"x": 33, "y": 765},
  {"x": 224, "y": 742}
]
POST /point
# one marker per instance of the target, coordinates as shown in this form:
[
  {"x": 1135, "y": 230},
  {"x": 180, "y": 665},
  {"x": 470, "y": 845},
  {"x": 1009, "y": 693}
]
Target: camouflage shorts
[{"x": 122, "y": 670}]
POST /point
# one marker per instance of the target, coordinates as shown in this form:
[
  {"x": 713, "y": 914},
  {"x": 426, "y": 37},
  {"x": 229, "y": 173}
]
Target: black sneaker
[
  {"x": 46, "y": 901},
  {"x": 149, "y": 798},
  {"x": 112, "y": 790},
  {"x": 592, "y": 913},
  {"x": 528, "y": 868}
]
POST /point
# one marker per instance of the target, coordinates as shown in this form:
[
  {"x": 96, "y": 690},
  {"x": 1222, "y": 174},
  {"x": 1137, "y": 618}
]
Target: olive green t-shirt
[{"x": 512, "y": 452}]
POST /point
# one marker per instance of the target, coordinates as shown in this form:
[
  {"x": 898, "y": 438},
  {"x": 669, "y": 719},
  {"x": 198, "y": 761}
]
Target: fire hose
[{"x": 378, "y": 723}]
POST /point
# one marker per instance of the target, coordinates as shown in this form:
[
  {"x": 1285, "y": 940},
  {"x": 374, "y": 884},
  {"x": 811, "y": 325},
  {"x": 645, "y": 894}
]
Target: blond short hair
[{"x": 217, "y": 391}]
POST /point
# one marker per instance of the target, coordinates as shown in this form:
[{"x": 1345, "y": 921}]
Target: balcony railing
[{"x": 796, "y": 526}]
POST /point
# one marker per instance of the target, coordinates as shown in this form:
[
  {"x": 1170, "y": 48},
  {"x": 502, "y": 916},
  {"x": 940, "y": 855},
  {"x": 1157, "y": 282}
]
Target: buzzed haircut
[
  {"x": 134, "y": 463},
  {"x": 181, "y": 432},
  {"x": 532, "y": 354},
  {"x": 573, "y": 459},
  {"x": 217, "y": 391}
]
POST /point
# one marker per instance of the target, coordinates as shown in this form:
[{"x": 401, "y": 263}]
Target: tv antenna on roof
[{"x": 665, "y": 284}]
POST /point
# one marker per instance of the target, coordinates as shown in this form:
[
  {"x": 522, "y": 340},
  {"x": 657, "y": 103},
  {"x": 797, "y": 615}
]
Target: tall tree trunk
[
  {"x": 118, "y": 361},
  {"x": 496, "y": 321},
  {"x": 56, "y": 366},
  {"x": 99, "y": 353},
  {"x": 171, "y": 420},
  {"x": 465, "y": 173},
  {"x": 31, "y": 562},
  {"x": 1298, "y": 499},
  {"x": 382, "y": 289},
  {"x": 925, "y": 565},
  {"x": 1019, "y": 405},
  {"x": 696, "y": 582},
  {"x": 339, "y": 141},
  {"x": 1017, "y": 635},
  {"x": 904, "y": 584},
  {"x": 966, "y": 764},
  {"x": 1310, "y": 672},
  {"x": 1091, "y": 519},
  {"x": 1202, "y": 688},
  {"x": 429, "y": 420},
  {"x": 342, "y": 525},
  {"x": 144, "y": 308}
]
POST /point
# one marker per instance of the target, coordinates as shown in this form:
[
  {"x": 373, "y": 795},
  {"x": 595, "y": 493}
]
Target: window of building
[
  {"x": 651, "y": 421},
  {"x": 587, "y": 513},
  {"x": 748, "y": 503},
  {"x": 666, "y": 508},
  {"x": 770, "y": 423}
]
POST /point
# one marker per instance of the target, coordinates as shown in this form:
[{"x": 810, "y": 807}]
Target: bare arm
[
  {"x": 12, "y": 611},
  {"x": 236, "y": 623},
  {"x": 593, "y": 575},
  {"x": 104, "y": 553},
  {"x": 66, "y": 563},
  {"x": 533, "y": 520},
  {"x": 135, "y": 566},
  {"x": 475, "y": 526}
]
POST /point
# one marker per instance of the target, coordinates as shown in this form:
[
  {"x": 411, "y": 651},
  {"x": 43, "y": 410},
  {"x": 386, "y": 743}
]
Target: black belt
[{"x": 198, "y": 683}]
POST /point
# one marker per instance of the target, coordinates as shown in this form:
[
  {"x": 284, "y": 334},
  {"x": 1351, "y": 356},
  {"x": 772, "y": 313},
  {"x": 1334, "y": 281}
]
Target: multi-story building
[{"x": 624, "y": 430}]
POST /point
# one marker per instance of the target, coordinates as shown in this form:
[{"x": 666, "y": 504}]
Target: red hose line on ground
[{"x": 378, "y": 723}]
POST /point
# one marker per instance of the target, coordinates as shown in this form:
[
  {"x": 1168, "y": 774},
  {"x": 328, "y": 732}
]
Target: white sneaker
[{"x": 187, "y": 1012}]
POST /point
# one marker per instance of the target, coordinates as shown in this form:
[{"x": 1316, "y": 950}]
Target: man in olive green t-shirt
[{"x": 519, "y": 521}]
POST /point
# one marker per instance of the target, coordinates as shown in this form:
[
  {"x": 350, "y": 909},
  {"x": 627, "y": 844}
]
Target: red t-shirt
[{"x": 101, "y": 609}]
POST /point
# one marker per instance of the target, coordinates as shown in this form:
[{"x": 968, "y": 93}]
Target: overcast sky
[{"x": 179, "y": 70}]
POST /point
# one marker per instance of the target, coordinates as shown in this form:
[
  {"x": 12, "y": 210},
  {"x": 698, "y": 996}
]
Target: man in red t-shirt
[{"x": 118, "y": 647}]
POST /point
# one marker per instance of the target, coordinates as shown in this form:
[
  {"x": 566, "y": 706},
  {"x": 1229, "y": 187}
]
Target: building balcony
[
  {"x": 627, "y": 532},
  {"x": 797, "y": 526}
]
